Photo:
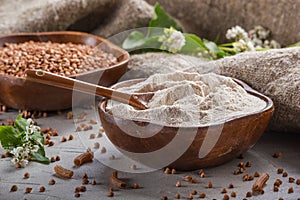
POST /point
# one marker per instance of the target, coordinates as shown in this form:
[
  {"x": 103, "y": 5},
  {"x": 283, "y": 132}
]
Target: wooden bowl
[
  {"x": 236, "y": 135},
  {"x": 20, "y": 93}
]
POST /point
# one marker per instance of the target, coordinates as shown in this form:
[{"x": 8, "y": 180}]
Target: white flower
[
  {"x": 27, "y": 133},
  {"x": 24, "y": 154},
  {"x": 15, "y": 160},
  {"x": 261, "y": 32},
  {"x": 172, "y": 40},
  {"x": 274, "y": 44},
  {"x": 34, "y": 149},
  {"x": 39, "y": 142},
  {"x": 266, "y": 44},
  {"x": 242, "y": 45},
  {"x": 21, "y": 154},
  {"x": 250, "y": 46},
  {"x": 236, "y": 33},
  {"x": 23, "y": 162},
  {"x": 27, "y": 147},
  {"x": 30, "y": 129},
  {"x": 29, "y": 121},
  {"x": 16, "y": 151},
  {"x": 257, "y": 42}
]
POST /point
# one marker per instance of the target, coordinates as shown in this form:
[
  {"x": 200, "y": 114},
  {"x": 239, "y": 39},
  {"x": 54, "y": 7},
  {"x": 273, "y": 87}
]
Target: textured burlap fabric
[
  {"x": 210, "y": 18},
  {"x": 207, "y": 18},
  {"x": 103, "y": 17},
  {"x": 274, "y": 73}
]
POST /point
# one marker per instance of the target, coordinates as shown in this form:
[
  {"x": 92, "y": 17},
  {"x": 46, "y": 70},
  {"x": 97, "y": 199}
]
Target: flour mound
[{"x": 188, "y": 99}]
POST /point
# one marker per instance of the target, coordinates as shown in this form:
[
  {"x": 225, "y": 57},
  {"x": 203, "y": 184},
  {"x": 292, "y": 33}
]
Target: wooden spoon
[{"x": 138, "y": 100}]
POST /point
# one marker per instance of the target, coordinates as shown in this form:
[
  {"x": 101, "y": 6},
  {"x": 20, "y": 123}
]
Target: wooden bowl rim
[
  {"x": 75, "y": 33},
  {"x": 269, "y": 107}
]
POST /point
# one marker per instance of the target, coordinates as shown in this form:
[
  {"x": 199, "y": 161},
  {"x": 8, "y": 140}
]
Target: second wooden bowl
[{"x": 19, "y": 93}]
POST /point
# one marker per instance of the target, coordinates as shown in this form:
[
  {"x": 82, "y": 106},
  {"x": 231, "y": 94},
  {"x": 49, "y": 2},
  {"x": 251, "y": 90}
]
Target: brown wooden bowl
[
  {"x": 238, "y": 134},
  {"x": 20, "y": 93}
]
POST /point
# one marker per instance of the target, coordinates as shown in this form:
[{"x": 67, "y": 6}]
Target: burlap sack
[{"x": 275, "y": 73}]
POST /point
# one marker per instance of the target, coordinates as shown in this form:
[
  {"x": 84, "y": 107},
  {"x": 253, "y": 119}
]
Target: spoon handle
[{"x": 51, "y": 79}]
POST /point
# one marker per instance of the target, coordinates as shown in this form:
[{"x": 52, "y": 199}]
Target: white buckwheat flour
[{"x": 189, "y": 99}]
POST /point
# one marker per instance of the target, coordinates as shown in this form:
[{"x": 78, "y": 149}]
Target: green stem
[
  {"x": 294, "y": 45},
  {"x": 226, "y": 45},
  {"x": 231, "y": 50},
  {"x": 262, "y": 49}
]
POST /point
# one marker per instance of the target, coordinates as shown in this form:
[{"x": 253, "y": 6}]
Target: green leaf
[
  {"x": 211, "y": 46},
  {"x": 194, "y": 39},
  {"x": 135, "y": 39},
  {"x": 41, "y": 151},
  {"x": 38, "y": 135},
  {"x": 161, "y": 19},
  {"x": 145, "y": 44},
  {"x": 193, "y": 44},
  {"x": 40, "y": 157},
  {"x": 20, "y": 124},
  {"x": 152, "y": 43},
  {"x": 9, "y": 137}
]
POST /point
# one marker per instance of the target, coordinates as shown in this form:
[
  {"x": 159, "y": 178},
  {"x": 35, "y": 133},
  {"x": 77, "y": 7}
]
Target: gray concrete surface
[{"x": 153, "y": 184}]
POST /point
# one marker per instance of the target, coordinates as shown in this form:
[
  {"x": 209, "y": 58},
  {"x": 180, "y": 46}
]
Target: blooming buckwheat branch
[{"x": 31, "y": 144}]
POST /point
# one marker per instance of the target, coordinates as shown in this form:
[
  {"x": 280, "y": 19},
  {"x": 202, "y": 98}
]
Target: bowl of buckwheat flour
[
  {"x": 73, "y": 54},
  {"x": 193, "y": 120}
]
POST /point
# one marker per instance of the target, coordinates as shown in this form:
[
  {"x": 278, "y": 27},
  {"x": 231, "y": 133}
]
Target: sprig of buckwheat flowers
[
  {"x": 31, "y": 144},
  {"x": 255, "y": 39}
]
